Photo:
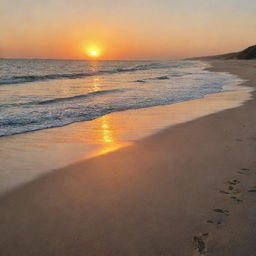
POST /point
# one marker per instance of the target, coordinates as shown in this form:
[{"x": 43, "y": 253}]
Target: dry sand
[{"x": 189, "y": 190}]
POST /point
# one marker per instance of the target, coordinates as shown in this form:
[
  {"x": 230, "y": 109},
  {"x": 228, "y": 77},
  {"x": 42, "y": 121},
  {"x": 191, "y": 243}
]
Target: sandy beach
[{"x": 188, "y": 190}]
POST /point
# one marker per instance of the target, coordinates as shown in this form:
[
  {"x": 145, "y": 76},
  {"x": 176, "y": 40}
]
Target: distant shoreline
[{"x": 246, "y": 54}]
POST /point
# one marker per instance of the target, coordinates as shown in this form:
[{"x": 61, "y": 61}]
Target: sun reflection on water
[
  {"x": 104, "y": 131},
  {"x": 95, "y": 84}
]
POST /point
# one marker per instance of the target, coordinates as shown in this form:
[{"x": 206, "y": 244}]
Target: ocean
[{"x": 40, "y": 94}]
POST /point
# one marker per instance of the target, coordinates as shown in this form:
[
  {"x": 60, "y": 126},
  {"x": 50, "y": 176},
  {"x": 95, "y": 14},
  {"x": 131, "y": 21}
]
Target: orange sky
[{"x": 134, "y": 29}]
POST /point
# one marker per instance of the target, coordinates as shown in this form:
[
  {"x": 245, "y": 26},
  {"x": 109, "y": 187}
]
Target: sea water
[{"x": 41, "y": 94}]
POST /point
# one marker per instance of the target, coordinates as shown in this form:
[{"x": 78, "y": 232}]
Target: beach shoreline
[
  {"x": 51, "y": 149},
  {"x": 181, "y": 191}
]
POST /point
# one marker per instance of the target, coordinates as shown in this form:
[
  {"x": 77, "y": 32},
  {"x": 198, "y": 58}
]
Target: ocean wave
[
  {"x": 30, "y": 124},
  {"x": 34, "y": 78},
  {"x": 164, "y": 77},
  {"x": 82, "y": 96},
  {"x": 154, "y": 78},
  {"x": 65, "y": 99}
]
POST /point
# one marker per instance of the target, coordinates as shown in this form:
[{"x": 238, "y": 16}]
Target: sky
[{"x": 125, "y": 29}]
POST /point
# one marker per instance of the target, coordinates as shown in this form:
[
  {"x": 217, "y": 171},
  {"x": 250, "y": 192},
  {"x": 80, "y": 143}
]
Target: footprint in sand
[
  {"x": 224, "y": 192},
  {"x": 231, "y": 190},
  {"x": 223, "y": 211},
  {"x": 244, "y": 171},
  {"x": 236, "y": 199},
  {"x": 230, "y": 187},
  {"x": 200, "y": 241},
  {"x": 216, "y": 222},
  {"x": 233, "y": 182}
]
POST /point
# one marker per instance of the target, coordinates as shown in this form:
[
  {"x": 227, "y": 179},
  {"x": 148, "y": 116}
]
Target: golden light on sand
[{"x": 107, "y": 133}]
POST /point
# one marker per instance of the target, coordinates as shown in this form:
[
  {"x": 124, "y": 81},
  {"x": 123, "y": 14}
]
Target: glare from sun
[{"x": 94, "y": 53}]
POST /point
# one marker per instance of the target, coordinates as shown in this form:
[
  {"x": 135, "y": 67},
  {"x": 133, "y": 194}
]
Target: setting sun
[{"x": 93, "y": 51}]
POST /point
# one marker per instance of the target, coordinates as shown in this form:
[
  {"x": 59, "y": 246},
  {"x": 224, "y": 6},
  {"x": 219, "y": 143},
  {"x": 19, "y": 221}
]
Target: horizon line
[{"x": 32, "y": 58}]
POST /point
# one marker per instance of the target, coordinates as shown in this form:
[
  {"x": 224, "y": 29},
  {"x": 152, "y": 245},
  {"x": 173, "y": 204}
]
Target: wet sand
[{"x": 188, "y": 190}]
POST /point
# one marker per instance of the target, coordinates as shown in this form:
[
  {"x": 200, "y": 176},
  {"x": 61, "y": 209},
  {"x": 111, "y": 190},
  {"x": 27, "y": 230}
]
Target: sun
[{"x": 93, "y": 51}]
